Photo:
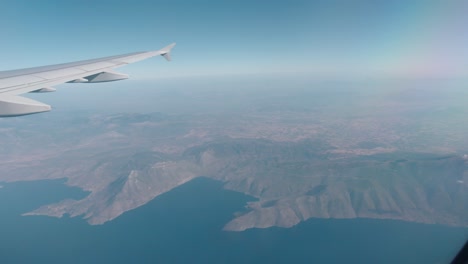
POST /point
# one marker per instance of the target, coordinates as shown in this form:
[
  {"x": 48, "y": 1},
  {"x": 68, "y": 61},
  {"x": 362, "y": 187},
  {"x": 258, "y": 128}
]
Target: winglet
[{"x": 166, "y": 51}]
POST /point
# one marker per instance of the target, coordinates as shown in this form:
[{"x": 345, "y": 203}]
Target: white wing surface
[{"x": 42, "y": 79}]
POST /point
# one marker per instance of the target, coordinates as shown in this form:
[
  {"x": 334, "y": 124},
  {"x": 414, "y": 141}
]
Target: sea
[{"x": 185, "y": 226}]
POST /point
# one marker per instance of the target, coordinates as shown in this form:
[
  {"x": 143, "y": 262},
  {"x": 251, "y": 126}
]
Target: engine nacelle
[
  {"x": 106, "y": 77},
  {"x": 17, "y": 106}
]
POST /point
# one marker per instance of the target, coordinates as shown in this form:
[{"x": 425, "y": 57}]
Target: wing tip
[{"x": 166, "y": 51}]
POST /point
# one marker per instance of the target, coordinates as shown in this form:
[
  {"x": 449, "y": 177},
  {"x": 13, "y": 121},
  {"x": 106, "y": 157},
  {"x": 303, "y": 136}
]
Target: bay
[{"x": 185, "y": 226}]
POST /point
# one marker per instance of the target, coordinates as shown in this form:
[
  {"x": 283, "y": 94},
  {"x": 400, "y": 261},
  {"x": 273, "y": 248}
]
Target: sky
[{"x": 337, "y": 39}]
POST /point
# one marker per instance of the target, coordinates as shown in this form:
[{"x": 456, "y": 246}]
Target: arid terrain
[{"x": 303, "y": 153}]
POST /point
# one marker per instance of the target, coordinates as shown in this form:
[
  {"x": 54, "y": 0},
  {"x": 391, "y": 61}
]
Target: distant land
[{"x": 303, "y": 153}]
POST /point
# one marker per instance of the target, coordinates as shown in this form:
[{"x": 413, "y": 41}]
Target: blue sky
[{"x": 323, "y": 38}]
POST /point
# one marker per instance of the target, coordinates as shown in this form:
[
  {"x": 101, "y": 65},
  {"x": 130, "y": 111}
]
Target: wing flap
[
  {"x": 50, "y": 75},
  {"x": 98, "y": 65},
  {"x": 14, "y": 81}
]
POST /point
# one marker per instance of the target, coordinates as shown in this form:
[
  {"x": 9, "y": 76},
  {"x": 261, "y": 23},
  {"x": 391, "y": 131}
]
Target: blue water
[{"x": 184, "y": 226}]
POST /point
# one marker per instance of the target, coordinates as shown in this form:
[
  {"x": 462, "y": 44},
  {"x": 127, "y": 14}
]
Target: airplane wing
[{"x": 41, "y": 79}]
